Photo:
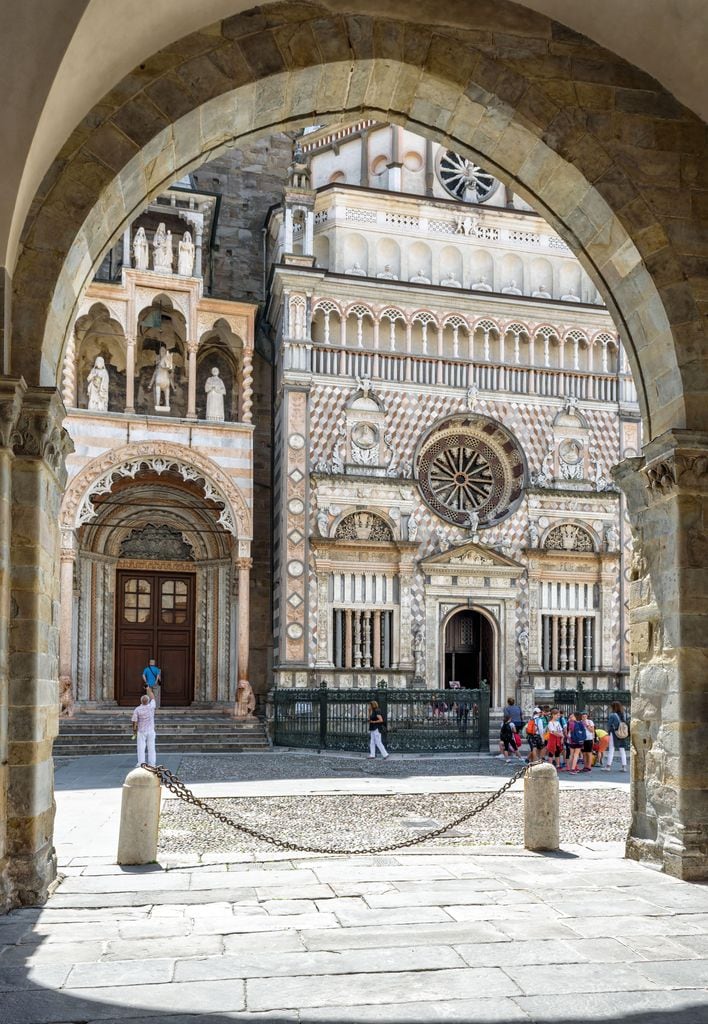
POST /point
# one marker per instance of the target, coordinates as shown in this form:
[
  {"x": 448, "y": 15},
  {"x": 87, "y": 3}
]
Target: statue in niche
[
  {"x": 482, "y": 285},
  {"x": 299, "y": 171},
  {"x": 412, "y": 528},
  {"x": 162, "y": 250},
  {"x": 245, "y": 700},
  {"x": 524, "y": 649},
  {"x": 473, "y": 524},
  {"x": 541, "y": 292},
  {"x": 511, "y": 288},
  {"x": 611, "y": 537},
  {"x": 97, "y": 386},
  {"x": 356, "y": 270},
  {"x": 545, "y": 473},
  {"x": 185, "y": 256},
  {"x": 533, "y": 533},
  {"x": 162, "y": 380},
  {"x": 450, "y": 281},
  {"x": 419, "y": 654},
  {"x": 387, "y": 274},
  {"x": 472, "y": 396},
  {"x": 570, "y": 297},
  {"x": 420, "y": 277},
  {"x": 215, "y": 391},
  {"x": 141, "y": 253}
]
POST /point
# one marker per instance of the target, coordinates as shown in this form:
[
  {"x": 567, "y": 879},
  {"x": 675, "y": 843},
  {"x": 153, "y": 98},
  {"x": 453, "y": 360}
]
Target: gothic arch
[{"x": 99, "y": 476}]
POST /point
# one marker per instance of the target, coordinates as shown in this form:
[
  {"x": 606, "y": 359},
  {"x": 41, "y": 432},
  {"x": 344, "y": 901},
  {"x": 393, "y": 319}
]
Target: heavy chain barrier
[{"x": 181, "y": 791}]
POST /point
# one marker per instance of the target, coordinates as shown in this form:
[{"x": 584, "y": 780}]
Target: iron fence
[
  {"x": 418, "y": 721},
  {"x": 595, "y": 702}
]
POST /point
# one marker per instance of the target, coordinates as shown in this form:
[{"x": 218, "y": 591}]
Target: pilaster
[{"x": 667, "y": 499}]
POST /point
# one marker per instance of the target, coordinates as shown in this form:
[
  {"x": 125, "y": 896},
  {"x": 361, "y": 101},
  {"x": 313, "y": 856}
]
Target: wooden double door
[
  {"x": 469, "y": 650},
  {"x": 155, "y": 619}
]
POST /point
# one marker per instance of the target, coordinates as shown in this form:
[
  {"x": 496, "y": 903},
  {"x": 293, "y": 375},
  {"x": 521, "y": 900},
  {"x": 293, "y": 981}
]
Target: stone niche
[{"x": 366, "y": 450}]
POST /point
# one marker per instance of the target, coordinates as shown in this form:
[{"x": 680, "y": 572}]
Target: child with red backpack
[
  {"x": 556, "y": 743},
  {"x": 576, "y": 739},
  {"x": 535, "y": 734}
]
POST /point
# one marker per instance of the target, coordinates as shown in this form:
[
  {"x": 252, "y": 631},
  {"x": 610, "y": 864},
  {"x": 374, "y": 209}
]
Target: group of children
[{"x": 574, "y": 744}]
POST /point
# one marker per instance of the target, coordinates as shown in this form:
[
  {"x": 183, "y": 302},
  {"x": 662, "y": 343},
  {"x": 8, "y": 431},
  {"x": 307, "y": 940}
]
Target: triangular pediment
[{"x": 470, "y": 555}]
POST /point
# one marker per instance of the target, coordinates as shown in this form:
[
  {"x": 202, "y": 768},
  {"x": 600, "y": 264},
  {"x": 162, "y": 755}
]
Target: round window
[{"x": 463, "y": 178}]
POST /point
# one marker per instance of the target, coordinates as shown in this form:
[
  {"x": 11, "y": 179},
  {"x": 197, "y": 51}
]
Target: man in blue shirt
[{"x": 152, "y": 677}]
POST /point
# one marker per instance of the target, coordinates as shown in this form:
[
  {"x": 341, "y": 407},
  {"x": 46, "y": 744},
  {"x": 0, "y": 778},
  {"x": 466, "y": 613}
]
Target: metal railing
[{"x": 418, "y": 721}]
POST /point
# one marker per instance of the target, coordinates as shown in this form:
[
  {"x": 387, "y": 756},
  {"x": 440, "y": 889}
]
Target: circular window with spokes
[
  {"x": 463, "y": 179},
  {"x": 471, "y": 465}
]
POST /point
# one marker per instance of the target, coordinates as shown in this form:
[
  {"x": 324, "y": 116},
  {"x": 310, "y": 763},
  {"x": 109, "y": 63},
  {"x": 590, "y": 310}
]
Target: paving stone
[
  {"x": 121, "y": 972},
  {"x": 291, "y": 906},
  {"x": 399, "y": 915},
  {"x": 265, "y": 923},
  {"x": 659, "y": 947},
  {"x": 668, "y": 925},
  {"x": 277, "y": 942},
  {"x": 48, "y": 1007},
  {"x": 318, "y": 891},
  {"x": 578, "y": 978},
  {"x": 434, "y": 898},
  {"x": 616, "y": 907},
  {"x": 155, "y": 882},
  {"x": 519, "y": 926},
  {"x": 253, "y": 878},
  {"x": 51, "y": 953},
  {"x": 354, "y": 873},
  {"x": 374, "y": 960},
  {"x": 532, "y": 951},
  {"x": 447, "y": 933},
  {"x": 82, "y": 931},
  {"x": 405, "y": 986},
  {"x": 677, "y": 973},
  {"x": 177, "y": 947},
  {"x": 38, "y": 975},
  {"x": 650, "y": 1007},
  {"x": 461, "y": 1011}
]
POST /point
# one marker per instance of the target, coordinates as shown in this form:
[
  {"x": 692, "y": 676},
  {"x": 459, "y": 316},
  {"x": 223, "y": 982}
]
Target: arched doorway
[{"x": 470, "y": 650}]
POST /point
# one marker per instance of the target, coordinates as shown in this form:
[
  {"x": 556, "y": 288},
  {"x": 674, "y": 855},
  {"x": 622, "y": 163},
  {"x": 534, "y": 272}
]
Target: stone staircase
[{"x": 183, "y": 731}]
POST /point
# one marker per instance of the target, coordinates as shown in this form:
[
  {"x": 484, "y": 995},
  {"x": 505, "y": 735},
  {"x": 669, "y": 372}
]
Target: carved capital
[
  {"x": 244, "y": 564},
  {"x": 12, "y": 392},
  {"x": 677, "y": 460},
  {"x": 38, "y": 432}
]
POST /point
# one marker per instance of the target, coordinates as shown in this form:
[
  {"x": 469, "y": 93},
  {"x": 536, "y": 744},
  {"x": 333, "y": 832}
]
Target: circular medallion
[
  {"x": 295, "y": 568},
  {"x": 571, "y": 451},
  {"x": 471, "y": 468},
  {"x": 296, "y": 507},
  {"x": 464, "y": 179},
  {"x": 365, "y": 435},
  {"x": 296, "y": 442},
  {"x": 294, "y": 631}
]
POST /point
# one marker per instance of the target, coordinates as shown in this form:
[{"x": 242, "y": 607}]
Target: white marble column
[
  {"x": 130, "y": 376},
  {"x": 244, "y": 566},
  {"x": 247, "y": 387},
  {"x": 192, "y": 380}
]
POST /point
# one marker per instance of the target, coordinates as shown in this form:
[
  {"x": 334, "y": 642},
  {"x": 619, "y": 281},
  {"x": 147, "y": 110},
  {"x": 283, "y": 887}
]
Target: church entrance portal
[
  {"x": 155, "y": 619},
  {"x": 469, "y": 650}
]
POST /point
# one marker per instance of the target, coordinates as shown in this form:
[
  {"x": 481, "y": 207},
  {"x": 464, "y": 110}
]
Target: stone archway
[{"x": 567, "y": 127}]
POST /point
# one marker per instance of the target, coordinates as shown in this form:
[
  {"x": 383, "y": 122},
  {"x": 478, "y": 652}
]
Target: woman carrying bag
[{"x": 377, "y": 725}]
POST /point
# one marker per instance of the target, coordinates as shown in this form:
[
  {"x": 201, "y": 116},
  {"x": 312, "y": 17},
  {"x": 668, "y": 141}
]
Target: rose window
[
  {"x": 471, "y": 466},
  {"x": 464, "y": 179}
]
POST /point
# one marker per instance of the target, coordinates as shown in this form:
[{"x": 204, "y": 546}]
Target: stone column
[
  {"x": 667, "y": 500},
  {"x": 38, "y": 479},
  {"x": 247, "y": 387},
  {"x": 11, "y": 395},
  {"x": 192, "y": 381},
  {"x": 130, "y": 376},
  {"x": 66, "y": 621},
  {"x": 244, "y": 582}
]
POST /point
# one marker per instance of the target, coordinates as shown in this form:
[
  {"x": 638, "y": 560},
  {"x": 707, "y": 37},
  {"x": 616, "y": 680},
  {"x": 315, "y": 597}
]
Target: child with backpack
[
  {"x": 507, "y": 743},
  {"x": 535, "y": 730},
  {"x": 556, "y": 744},
  {"x": 576, "y": 740}
]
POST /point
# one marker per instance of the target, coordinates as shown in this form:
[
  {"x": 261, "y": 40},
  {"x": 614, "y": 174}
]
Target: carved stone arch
[
  {"x": 570, "y": 536},
  {"x": 364, "y": 524},
  {"x": 100, "y": 474}
]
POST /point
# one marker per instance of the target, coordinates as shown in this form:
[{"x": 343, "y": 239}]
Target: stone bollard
[
  {"x": 139, "y": 818},
  {"x": 541, "y": 811}
]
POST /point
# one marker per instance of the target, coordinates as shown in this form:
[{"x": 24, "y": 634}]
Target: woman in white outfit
[
  {"x": 144, "y": 728},
  {"x": 376, "y": 723}
]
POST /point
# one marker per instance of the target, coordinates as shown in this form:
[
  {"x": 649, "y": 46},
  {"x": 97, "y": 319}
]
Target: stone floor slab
[
  {"x": 404, "y": 986},
  {"x": 447, "y": 933},
  {"x": 155, "y": 949},
  {"x": 677, "y": 973},
  {"x": 35, "y": 976},
  {"x": 579, "y": 978},
  {"x": 652, "y": 1007},
  {"x": 454, "y": 1011},
  {"x": 400, "y": 915}
]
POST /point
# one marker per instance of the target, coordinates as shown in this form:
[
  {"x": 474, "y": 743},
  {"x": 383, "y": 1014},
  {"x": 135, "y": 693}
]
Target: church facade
[{"x": 449, "y": 397}]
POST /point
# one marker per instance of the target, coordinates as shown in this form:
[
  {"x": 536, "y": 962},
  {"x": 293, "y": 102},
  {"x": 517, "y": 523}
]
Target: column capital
[
  {"x": 39, "y": 433},
  {"x": 12, "y": 393},
  {"x": 244, "y": 564}
]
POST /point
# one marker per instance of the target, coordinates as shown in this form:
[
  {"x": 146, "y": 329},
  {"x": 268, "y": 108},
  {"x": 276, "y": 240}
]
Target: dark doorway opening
[{"x": 469, "y": 650}]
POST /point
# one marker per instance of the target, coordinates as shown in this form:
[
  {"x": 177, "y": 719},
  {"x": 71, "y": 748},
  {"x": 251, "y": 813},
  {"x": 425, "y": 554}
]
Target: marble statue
[
  {"x": 541, "y": 293},
  {"x": 450, "y": 282},
  {"x": 482, "y": 285},
  {"x": 323, "y": 523},
  {"x": 511, "y": 288},
  {"x": 419, "y": 653},
  {"x": 387, "y": 274},
  {"x": 162, "y": 380},
  {"x": 185, "y": 256},
  {"x": 420, "y": 278},
  {"x": 570, "y": 297},
  {"x": 466, "y": 225},
  {"x": 97, "y": 386},
  {"x": 473, "y": 523},
  {"x": 611, "y": 537},
  {"x": 412, "y": 528},
  {"x": 141, "y": 253},
  {"x": 472, "y": 396},
  {"x": 533, "y": 533},
  {"x": 162, "y": 250},
  {"x": 215, "y": 390},
  {"x": 365, "y": 385},
  {"x": 356, "y": 269},
  {"x": 524, "y": 649},
  {"x": 245, "y": 700}
]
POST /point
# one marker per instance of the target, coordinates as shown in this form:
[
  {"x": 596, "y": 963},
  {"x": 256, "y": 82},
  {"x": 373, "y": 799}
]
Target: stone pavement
[{"x": 471, "y": 935}]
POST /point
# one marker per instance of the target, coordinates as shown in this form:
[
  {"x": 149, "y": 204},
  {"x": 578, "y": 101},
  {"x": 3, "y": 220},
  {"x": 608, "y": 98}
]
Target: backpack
[
  {"x": 579, "y": 733},
  {"x": 622, "y": 730},
  {"x": 530, "y": 727}
]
